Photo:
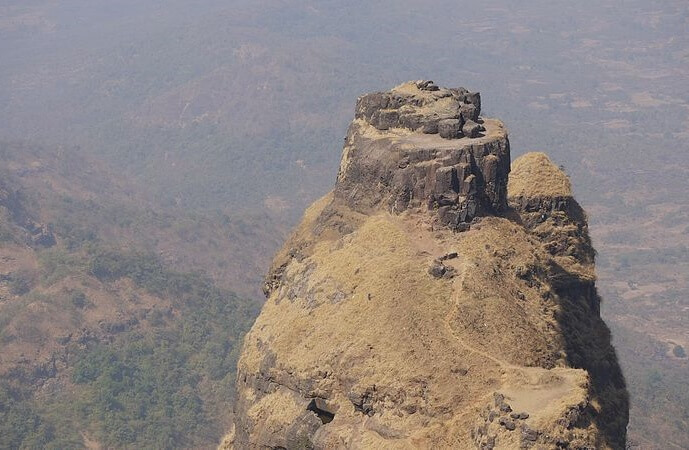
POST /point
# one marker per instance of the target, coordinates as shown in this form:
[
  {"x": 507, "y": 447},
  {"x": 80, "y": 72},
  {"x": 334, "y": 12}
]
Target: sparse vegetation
[
  {"x": 57, "y": 263},
  {"x": 20, "y": 282},
  {"x": 79, "y": 299},
  {"x": 167, "y": 386},
  {"x": 161, "y": 379}
]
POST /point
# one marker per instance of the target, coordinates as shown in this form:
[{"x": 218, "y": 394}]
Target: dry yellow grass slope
[{"x": 403, "y": 359}]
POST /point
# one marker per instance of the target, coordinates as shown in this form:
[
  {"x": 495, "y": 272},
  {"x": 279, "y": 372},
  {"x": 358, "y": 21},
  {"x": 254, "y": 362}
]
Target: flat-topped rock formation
[
  {"x": 420, "y": 146},
  {"x": 386, "y": 328}
]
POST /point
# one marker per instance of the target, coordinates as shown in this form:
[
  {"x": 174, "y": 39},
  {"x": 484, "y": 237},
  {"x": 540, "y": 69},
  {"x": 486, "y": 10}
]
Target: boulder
[
  {"x": 471, "y": 129},
  {"x": 450, "y": 128},
  {"x": 384, "y": 119}
]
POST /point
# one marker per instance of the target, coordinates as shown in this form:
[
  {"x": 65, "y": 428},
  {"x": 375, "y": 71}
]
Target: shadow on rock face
[{"x": 589, "y": 347}]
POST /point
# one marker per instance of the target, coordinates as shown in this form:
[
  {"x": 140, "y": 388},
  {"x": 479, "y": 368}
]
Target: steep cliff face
[{"x": 427, "y": 303}]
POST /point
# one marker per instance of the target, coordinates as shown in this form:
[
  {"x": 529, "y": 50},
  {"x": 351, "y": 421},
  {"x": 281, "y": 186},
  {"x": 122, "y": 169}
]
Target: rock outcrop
[
  {"x": 399, "y": 154},
  {"x": 387, "y": 327}
]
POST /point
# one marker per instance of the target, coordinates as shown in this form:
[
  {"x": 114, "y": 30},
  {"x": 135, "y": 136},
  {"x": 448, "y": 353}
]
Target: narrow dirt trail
[
  {"x": 529, "y": 388},
  {"x": 457, "y": 290}
]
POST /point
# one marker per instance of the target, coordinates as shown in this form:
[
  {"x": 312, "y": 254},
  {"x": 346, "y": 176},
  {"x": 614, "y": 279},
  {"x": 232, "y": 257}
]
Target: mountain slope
[{"x": 104, "y": 344}]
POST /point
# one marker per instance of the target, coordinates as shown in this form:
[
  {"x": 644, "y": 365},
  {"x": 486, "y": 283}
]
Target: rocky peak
[
  {"x": 380, "y": 331},
  {"x": 422, "y": 146}
]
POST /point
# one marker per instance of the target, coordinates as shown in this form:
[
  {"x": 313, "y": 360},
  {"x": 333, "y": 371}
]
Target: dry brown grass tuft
[{"x": 535, "y": 175}]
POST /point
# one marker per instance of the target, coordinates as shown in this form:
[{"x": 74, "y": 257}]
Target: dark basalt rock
[
  {"x": 437, "y": 270},
  {"x": 528, "y": 434},
  {"x": 521, "y": 415},
  {"x": 394, "y": 159},
  {"x": 471, "y": 129},
  {"x": 508, "y": 424},
  {"x": 450, "y": 128},
  {"x": 36, "y": 234}
]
